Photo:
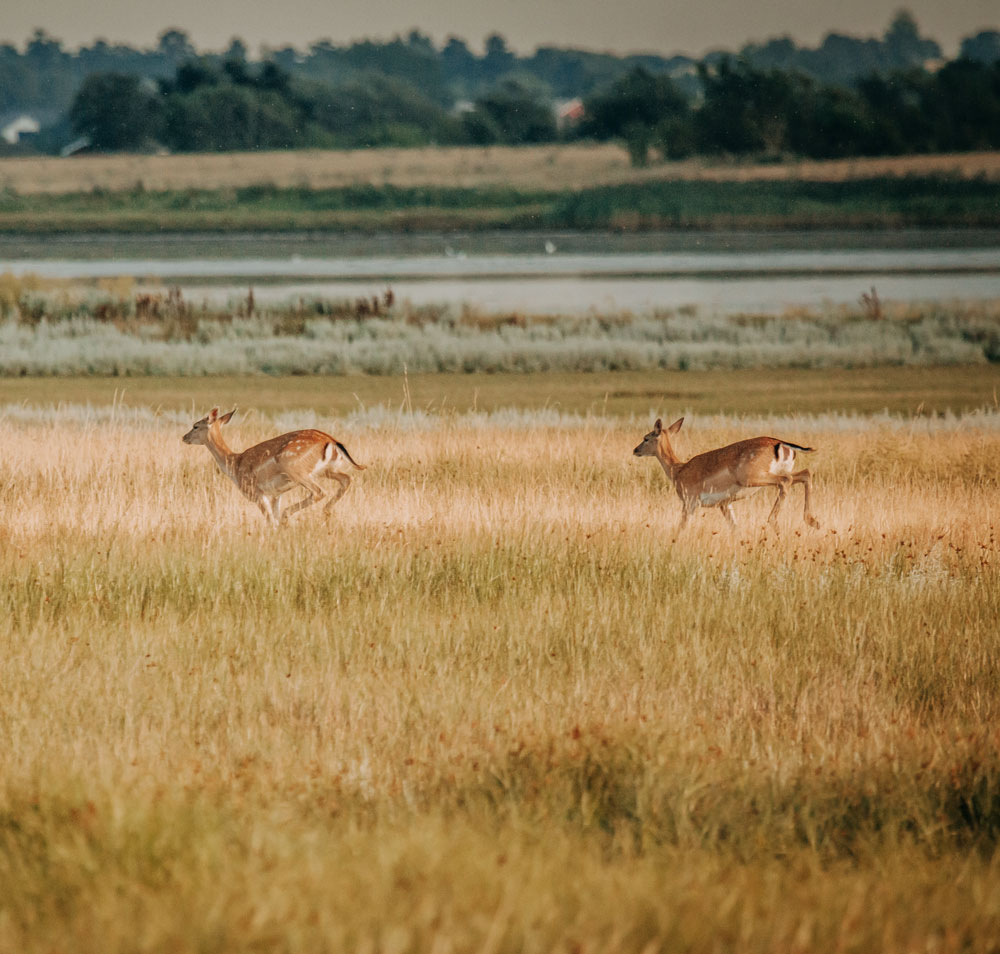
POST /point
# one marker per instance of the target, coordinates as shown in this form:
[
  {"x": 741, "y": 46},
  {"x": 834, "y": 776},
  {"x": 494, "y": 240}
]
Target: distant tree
[
  {"x": 376, "y": 110},
  {"x": 15, "y": 79},
  {"x": 480, "y": 129},
  {"x": 238, "y": 71},
  {"x": 831, "y": 122},
  {"x": 898, "y": 104},
  {"x": 44, "y": 52},
  {"x": 984, "y": 47},
  {"x": 420, "y": 43},
  {"x": 745, "y": 110},
  {"x": 779, "y": 53},
  {"x": 287, "y": 57},
  {"x": 964, "y": 105},
  {"x": 638, "y": 98},
  {"x": 228, "y": 117},
  {"x": 570, "y": 73},
  {"x": 174, "y": 46},
  {"x": 116, "y": 111},
  {"x": 273, "y": 77},
  {"x": 192, "y": 75},
  {"x": 904, "y": 47},
  {"x": 457, "y": 56},
  {"x": 403, "y": 61},
  {"x": 674, "y": 137},
  {"x": 499, "y": 60},
  {"x": 460, "y": 66},
  {"x": 639, "y": 108},
  {"x": 844, "y": 59},
  {"x": 518, "y": 113},
  {"x": 236, "y": 51}
]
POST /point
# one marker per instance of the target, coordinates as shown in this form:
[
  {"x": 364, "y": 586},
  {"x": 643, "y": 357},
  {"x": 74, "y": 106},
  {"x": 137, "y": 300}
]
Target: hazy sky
[{"x": 621, "y": 26}]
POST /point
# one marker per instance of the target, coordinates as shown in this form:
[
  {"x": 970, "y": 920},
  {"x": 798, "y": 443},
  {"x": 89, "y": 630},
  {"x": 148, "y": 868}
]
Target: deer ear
[
  {"x": 226, "y": 418},
  {"x": 212, "y": 415},
  {"x": 676, "y": 426},
  {"x": 658, "y": 426}
]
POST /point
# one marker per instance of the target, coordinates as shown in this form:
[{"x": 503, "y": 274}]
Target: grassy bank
[
  {"x": 928, "y": 391},
  {"x": 887, "y": 201},
  {"x": 491, "y": 702}
]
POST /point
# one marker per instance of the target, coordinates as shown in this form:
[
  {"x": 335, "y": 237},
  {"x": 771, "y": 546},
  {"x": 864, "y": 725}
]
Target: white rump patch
[{"x": 784, "y": 461}]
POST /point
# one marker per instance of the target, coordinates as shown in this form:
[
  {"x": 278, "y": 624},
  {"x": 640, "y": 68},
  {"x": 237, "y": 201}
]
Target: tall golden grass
[
  {"x": 492, "y": 703},
  {"x": 553, "y": 167}
]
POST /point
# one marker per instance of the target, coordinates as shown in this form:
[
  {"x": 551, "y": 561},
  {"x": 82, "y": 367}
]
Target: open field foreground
[{"x": 490, "y": 703}]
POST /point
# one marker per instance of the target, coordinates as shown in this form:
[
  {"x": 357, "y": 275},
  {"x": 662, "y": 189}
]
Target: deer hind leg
[
  {"x": 314, "y": 494},
  {"x": 343, "y": 482},
  {"x": 805, "y": 478},
  {"x": 782, "y": 484}
]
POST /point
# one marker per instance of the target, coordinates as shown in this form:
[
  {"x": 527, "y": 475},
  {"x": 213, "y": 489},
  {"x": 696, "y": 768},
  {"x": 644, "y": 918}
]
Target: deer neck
[
  {"x": 224, "y": 457},
  {"x": 669, "y": 461}
]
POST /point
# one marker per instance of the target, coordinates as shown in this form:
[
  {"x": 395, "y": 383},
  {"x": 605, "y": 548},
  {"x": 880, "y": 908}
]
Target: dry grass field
[
  {"x": 492, "y": 702},
  {"x": 525, "y": 168}
]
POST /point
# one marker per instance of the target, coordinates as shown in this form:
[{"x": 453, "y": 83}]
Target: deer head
[{"x": 199, "y": 433}]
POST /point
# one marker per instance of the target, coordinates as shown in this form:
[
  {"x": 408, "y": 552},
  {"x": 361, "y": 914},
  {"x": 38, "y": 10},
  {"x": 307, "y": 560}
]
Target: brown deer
[
  {"x": 267, "y": 470},
  {"x": 718, "y": 477}
]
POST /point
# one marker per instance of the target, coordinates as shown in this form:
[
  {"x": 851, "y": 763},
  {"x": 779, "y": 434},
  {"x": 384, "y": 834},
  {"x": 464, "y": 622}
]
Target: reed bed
[
  {"x": 58, "y": 329},
  {"x": 493, "y": 702}
]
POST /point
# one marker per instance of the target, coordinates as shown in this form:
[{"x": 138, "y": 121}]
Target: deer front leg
[
  {"x": 727, "y": 512},
  {"x": 268, "y": 506},
  {"x": 688, "y": 507}
]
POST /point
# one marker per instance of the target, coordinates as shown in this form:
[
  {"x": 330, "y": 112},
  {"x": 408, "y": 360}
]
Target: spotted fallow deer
[
  {"x": 718, "y": 477},
  {"x": 267, "y": 470}
]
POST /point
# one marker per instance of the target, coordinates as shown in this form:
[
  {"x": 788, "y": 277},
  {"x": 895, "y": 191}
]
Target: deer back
[{"x": 740, "y": 461}]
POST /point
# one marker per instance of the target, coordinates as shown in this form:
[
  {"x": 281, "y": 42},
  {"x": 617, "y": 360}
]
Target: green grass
[
  {"x": 884, "y": 201},
  {"x": 890, "y": 201},
  {"x": 907, "y": 391}
]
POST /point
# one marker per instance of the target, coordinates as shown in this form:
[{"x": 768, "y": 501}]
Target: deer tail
[
  {"x": 790, "y": 444},
  {"x": 343, "y": 450}
]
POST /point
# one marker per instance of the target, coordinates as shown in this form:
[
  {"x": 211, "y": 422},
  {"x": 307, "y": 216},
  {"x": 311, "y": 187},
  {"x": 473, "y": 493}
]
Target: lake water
[{"x": 561, "y": 272}]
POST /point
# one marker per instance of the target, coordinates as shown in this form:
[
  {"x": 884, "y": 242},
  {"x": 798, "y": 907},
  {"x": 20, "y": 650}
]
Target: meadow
[
  {"x": 493, "y": 702},
  {"x": 543, "y": 187},
  {"x": 529, "y": 168}
]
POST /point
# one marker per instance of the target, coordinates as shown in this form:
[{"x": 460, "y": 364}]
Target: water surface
[{"x": 564, "y": 272}]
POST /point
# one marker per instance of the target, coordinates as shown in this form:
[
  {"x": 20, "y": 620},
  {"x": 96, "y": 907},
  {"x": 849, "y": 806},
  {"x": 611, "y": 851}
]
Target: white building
[{"x": 12, "y": 132}]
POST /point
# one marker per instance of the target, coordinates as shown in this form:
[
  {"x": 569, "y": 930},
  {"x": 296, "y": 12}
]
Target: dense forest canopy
[{"x": 848, "y": 96}]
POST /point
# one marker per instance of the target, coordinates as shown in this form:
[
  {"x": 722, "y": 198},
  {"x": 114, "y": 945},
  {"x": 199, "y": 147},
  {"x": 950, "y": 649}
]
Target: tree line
[
  {"x": 747, "y": 111},
  {"x": 742, "y": 110},
  {"x": 773, "y": 99}
]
